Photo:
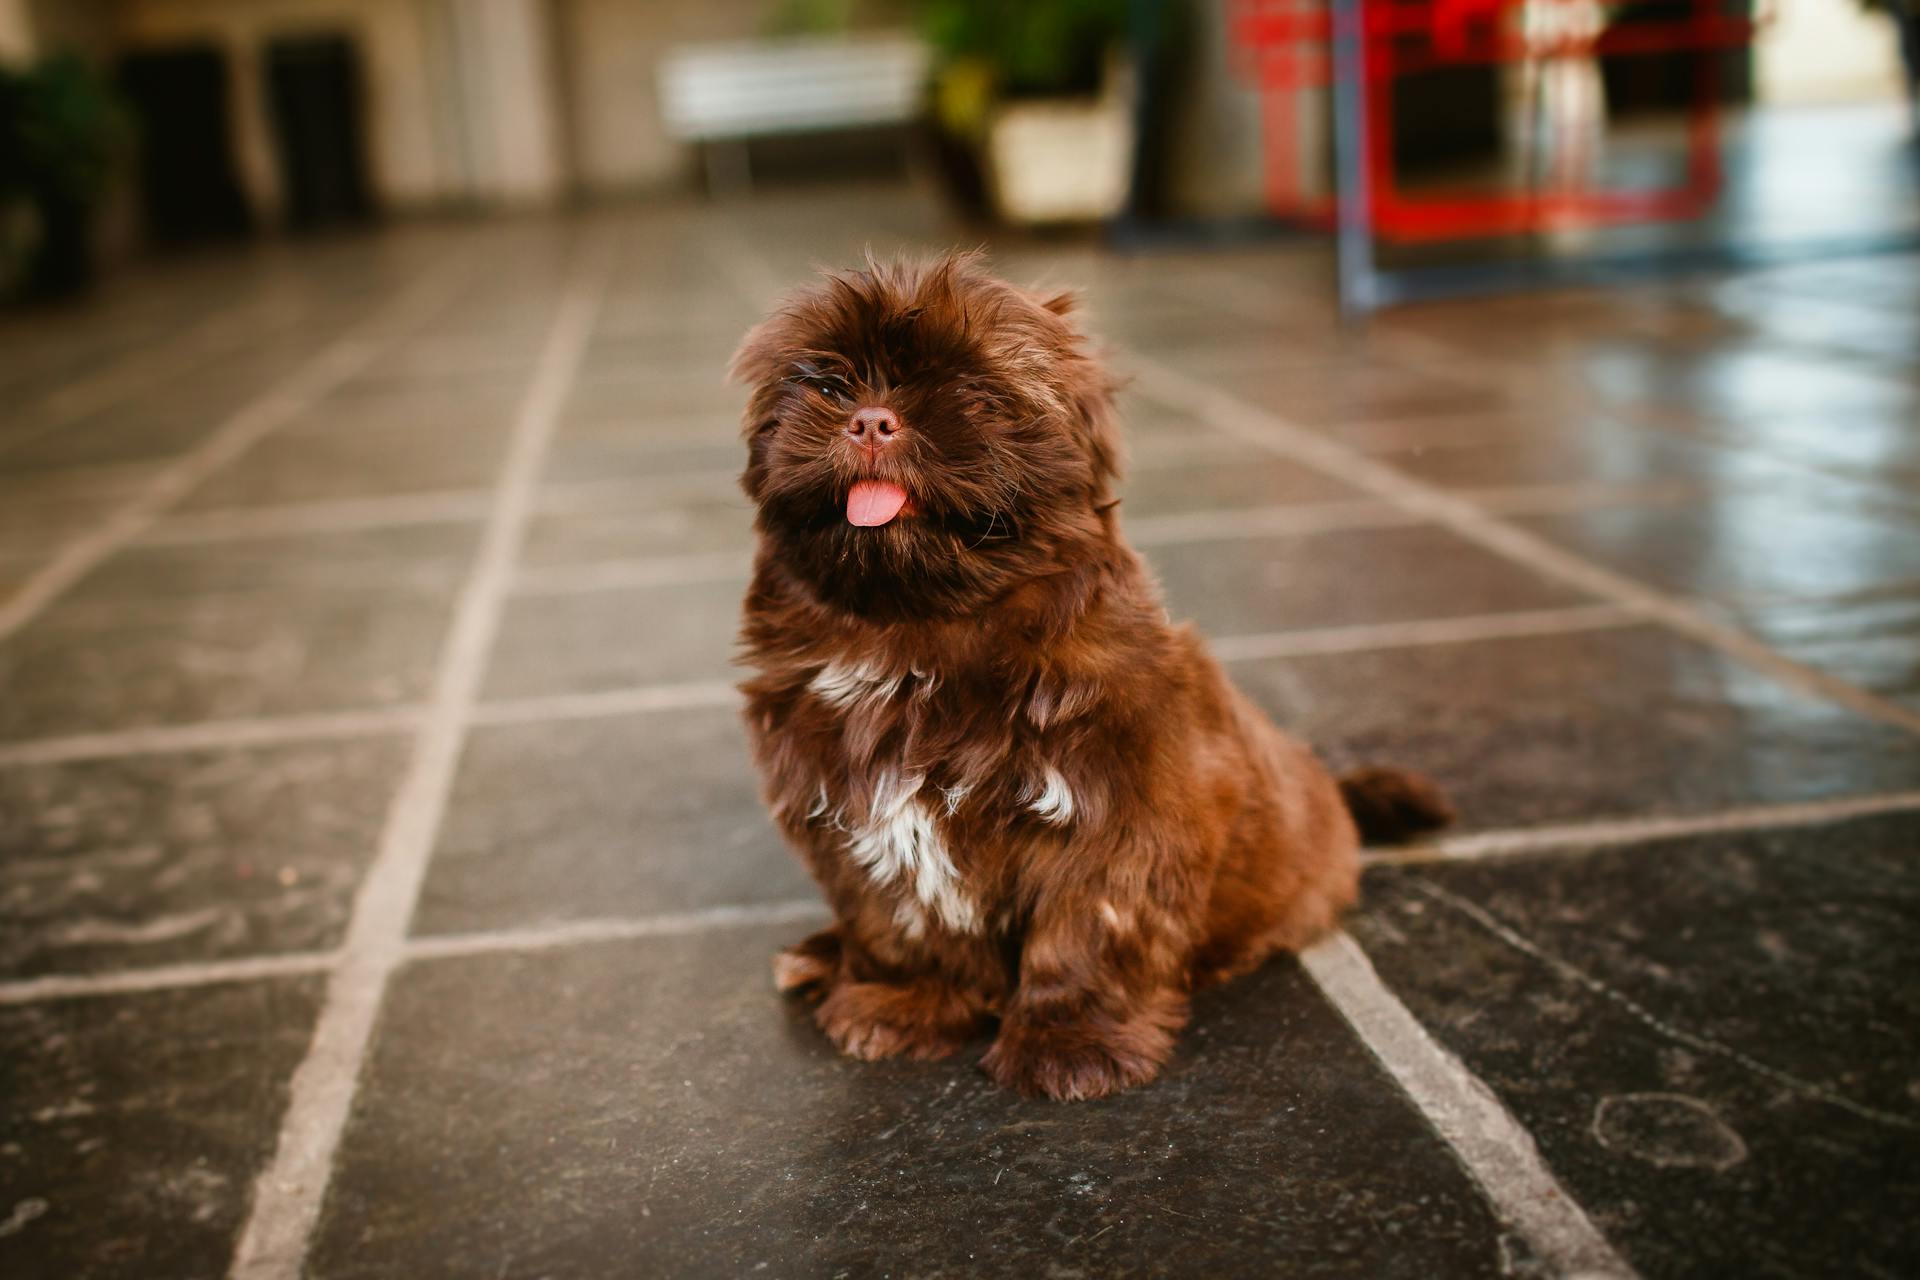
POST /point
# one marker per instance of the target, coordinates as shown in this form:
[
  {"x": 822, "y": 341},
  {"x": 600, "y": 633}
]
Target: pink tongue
[{"x": 874, "y": 502}]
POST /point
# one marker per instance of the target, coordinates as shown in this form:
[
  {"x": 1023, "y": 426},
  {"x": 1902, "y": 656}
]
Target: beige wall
[
  {"x": 16, "y": 31},
  {"x": 609, "y": 49},
  {"x": 506, "y": 99}
]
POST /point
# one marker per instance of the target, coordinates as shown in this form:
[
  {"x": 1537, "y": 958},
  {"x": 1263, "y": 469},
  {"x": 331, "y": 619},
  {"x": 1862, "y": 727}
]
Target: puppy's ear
[
  {"x": 1089, "y": 389},
  {"x": 1092, "y": 404},
  {"x": 758, "y": 359},
  {"x": 1085, "y": 386},
  {"x": 1063, "y": 303}
]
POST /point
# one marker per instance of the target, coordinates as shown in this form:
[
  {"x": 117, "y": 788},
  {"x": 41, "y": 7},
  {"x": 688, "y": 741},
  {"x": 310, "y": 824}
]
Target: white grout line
[
  {"x": 1690, "y": 429},
  {"x": 271, "y": 730},
  {"x": 608, "y": 702},
  {"x": 1237, "y": 417},
  {"x": 335, "y": 363},
  {"x": 163, "y": 361},
  {"x": 1399, "y": 635},
  {"x": 288, "y": 1193},
  {"x": 636, "y": 699},
  {"x": 346, "y": 515},
  {"x": 1228, "y": 524},
  {"x": 1566, "y": 838},
  {"x": 1582, "y": 836},
  {"x": 575, "y": 933},
  {"x": 1493, "y": 1147},
  {"x": 1172, "y": 529},
  {"x": 209, "y": 735},
  {"x": 164, "y": 977},
  {"x": 1589, "y": 495},
  {"x": 448, "y": 506}
]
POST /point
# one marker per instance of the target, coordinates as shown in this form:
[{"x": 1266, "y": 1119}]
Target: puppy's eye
[
  {"x": 767, "y": 427},
  {"x": 822, "y": 382}
]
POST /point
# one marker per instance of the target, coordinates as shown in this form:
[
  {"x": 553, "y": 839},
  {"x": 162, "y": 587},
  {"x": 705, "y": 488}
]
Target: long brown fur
[{"x": 1030, "y": 799}]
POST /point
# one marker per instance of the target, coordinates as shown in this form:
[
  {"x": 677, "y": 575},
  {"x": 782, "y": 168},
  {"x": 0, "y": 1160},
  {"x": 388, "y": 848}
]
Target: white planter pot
[{"x": 1069, "y": 160}]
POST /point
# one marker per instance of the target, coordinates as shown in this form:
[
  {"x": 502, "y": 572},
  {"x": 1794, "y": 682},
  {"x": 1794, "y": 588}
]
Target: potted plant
[
  {"x": 60, "y": 130},
  {"x": 1036, "y": 92}
]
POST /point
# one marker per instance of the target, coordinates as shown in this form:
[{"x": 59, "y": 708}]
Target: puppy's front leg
[
  {"x": 871, "y": 1009},
  {"x": 1102, "y": 994}
]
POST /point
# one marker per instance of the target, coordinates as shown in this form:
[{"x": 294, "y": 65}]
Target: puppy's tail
[{"x": 1391, "y": 806}]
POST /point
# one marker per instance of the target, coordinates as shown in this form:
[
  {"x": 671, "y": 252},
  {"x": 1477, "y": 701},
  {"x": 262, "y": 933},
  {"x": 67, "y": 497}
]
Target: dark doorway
[
  {"x": 313, "y": 91},
  {"x": 189, "y": 190}
]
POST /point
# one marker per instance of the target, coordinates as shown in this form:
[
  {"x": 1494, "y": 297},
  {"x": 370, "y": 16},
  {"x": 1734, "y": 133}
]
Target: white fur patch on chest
[
  {"x": 844, "y": 683},
  {"x": 848, "y": 685},
  {"x": 900, "y": 842},
  {"x": 1049, "y": 797}
]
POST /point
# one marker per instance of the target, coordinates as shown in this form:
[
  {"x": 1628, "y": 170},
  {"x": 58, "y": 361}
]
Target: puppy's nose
[{"x": 872, "y": 427}]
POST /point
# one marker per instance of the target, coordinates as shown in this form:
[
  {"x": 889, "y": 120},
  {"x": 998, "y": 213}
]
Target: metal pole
[{"x": 1359, "y": 285}]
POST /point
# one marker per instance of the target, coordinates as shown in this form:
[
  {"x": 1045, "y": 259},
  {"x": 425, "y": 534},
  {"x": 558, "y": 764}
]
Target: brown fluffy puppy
[{"x": 1027, "y": 796}]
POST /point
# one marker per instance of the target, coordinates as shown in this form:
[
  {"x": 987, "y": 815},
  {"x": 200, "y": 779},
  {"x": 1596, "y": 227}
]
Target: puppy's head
[{"x": 922, "y": 437}]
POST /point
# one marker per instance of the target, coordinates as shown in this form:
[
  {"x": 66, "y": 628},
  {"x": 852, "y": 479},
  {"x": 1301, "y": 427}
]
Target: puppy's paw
[
  {"x": 807, "y": 966},
  {"x": 1076, "y": 1061},
  {"x": 874, "y": 1020}
]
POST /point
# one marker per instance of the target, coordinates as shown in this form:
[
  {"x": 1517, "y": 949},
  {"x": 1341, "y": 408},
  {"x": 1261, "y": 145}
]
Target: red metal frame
[{"x": 1284, "y": 48}]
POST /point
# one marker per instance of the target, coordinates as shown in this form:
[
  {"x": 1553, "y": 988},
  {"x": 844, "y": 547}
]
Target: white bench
[{"x": 719, "y": 95}]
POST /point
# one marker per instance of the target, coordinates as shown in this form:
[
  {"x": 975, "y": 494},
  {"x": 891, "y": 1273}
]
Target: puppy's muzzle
[{"x": 873, "y": 429}]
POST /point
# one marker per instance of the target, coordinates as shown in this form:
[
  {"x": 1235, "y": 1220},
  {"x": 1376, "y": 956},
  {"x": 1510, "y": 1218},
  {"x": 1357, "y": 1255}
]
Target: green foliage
[
  {"x": 1034, "y": 46},
  {"x": 60, "y": 130},
  {"x": 808, "y": 17}
]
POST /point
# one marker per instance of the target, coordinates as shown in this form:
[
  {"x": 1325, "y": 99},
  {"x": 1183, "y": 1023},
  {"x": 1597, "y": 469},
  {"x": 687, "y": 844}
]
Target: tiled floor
[{"x": 383, "y": 890}]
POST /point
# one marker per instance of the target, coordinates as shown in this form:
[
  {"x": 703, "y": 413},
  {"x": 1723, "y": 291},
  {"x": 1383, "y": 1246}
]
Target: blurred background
[{"x": 1557, "y": 127}]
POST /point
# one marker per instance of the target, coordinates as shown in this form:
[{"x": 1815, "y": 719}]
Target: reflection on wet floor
[{"x": 284, "y": 717}]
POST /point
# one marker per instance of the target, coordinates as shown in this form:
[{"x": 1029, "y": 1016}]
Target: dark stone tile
[
  {"x": 630, "y": 447},
  {"x": 1878, "y": 446},
  {"x": 1851, "y": 324},
  {"x": 1739, "y": 381},
  {"x": 631, "y": 815},
  {"x": 699, "y": 513},
  {"x": 454, "y": 363},
  {"x": 1587, "y": 725},
  {"x": 380, "y": 410},
  {"x": 135, "y": 432},
  {"x": 691, "y": 392},
  {"x": 617, "y": 638},
  {"x": 1713, "y": 1039},
  {"x": 15, "y": 570},
  {"x": 352, "y": 462},
  {"x": 1204, "y": 339},
  {"x": 155, "y": 859},
  {"x": 1870, "y": 640},
  {"x": 1499, "y": 452},
  {"x": 1210, "y": 481},
  {"x": 1747, "y": 544},
  {"x": 1882, "y": 280},
  {"x": 1150, "y": 424},
  {"x": 634, "y": 344},
  {"x": 167, "y": 635},
  {"x": 43, "y": 510},
  {"x": 686, "y": 1121},
  {"x": 1332, "y": 392},
  {"x": 1247, "y": 585},
  {"x": 133, "y": 1126},
  {"x": 650, "y": 333}
]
